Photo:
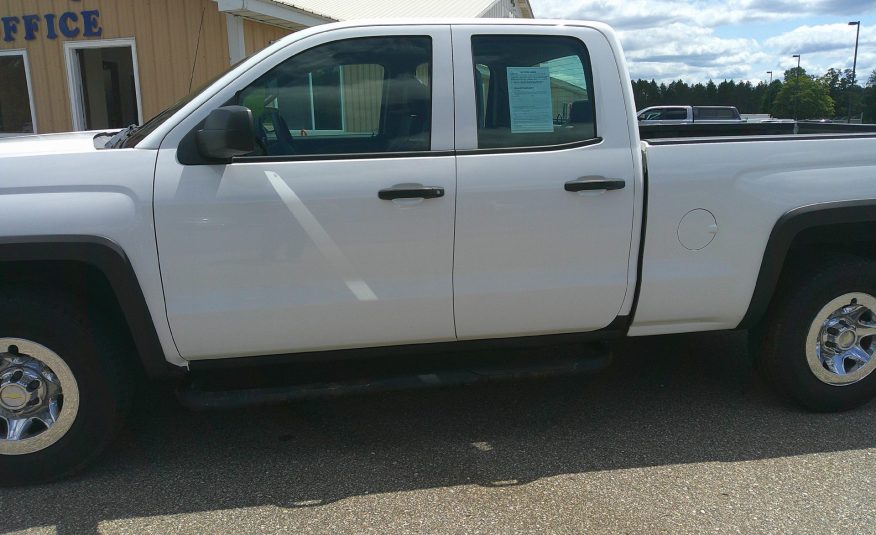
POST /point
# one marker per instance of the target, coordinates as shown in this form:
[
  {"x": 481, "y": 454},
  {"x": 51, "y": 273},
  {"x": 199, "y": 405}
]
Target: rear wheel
[
  {"x": 63, "y": 388},
  {"x": 820, "y": 335}
]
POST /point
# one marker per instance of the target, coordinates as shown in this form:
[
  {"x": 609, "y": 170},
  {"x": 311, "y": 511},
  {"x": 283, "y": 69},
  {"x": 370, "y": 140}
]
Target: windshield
[{"x": 149, "y": 126}]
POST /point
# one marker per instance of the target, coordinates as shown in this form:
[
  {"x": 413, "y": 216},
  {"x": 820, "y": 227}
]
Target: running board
[{"x": 243, "y": 388}]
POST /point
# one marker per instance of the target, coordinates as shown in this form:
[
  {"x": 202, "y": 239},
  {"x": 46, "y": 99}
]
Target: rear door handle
[
  {"x": 595, "y": 183},
  {"x": 410, "y": 191}
]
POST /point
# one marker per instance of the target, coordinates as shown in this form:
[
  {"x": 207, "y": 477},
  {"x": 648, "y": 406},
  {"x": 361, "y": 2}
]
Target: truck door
[
  {"x": 545, "y": 181},
  {"x": 338, "y": 232}
]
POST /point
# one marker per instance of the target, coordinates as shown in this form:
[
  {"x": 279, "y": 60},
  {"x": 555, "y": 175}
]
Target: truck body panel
[
  {"x": 59, "y": 184},
  {"x": 747, "y": 186},
  {"x": 239, "y": 274}
]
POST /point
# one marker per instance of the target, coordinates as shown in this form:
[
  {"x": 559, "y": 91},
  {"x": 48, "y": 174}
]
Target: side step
[{"x": 281, "y": 384}]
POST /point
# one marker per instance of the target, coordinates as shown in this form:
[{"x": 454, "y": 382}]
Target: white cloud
[
  {"x": 699, "y": 12},
  {"x": 671, "y": 39},
  {"x": 665, "y": 51},
  {"x": 821, "y": 38},
  {"x": 821, "y": 49}
]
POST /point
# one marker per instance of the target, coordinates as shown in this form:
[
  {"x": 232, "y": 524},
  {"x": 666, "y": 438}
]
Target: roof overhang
[
  {"x": 269, "y": 12},
  {"x": 525, "y": 9}
]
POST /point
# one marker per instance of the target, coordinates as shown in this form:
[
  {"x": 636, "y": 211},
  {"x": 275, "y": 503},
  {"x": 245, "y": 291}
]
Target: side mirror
[{"x": 227, "y": 132}]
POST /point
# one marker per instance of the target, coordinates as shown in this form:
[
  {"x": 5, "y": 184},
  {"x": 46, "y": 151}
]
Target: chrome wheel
[
  {"x": 842, "y": 340},
  {"x": 39, "y": 397}
]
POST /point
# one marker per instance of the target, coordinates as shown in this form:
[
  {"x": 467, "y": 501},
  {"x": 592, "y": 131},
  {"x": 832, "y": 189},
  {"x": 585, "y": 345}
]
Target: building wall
[
  {"x": 257, "y": 36},
  {"x": 563, "y": 95},
  {"x": 173, "y": 56}
]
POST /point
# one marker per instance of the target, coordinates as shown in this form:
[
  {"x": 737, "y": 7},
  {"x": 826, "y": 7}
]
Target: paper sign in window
[{"x": 529, "y": 97}]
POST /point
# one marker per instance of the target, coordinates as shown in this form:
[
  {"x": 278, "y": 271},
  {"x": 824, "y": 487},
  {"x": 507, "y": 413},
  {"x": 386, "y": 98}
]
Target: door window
[
  {"x": 532, "y": 91},
  {"x": 365, "y": 95},
  {"x": 16, "y": 116}
]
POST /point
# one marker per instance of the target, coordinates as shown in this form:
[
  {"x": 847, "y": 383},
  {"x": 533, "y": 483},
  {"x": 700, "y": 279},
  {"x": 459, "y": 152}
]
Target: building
[{"x": 95, "y": 64}]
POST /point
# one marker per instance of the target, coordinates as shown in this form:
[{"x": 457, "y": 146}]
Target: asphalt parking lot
[{"x": 678, "y": 436}]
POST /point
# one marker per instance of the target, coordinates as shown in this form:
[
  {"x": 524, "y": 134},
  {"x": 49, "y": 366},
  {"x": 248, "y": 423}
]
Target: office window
[{"x": 16, "y": 115}]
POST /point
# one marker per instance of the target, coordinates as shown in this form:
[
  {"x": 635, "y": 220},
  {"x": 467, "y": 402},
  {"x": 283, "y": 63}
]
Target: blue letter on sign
[
  {"x": 64, "y": 24},
  {"x": 31, "y": 25},
  {"x": 91, "y": 24},
  {"x": 50, "y": 26},
  {"x": 10, "y": 26}
]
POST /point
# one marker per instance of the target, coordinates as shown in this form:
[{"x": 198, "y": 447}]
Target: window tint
[
  {"x": 674, "y": 114},
  {"x": 362, "y": 95},
  {"x": 715, "y": 113},
  {"x": 532, "y": 91}
]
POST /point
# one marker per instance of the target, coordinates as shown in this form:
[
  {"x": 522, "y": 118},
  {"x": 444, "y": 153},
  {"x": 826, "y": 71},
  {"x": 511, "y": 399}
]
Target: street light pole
[
  {"x": 796, "y": 85},
  {"x": 771, "y": 76},
  {"x": 854, "y": 65}
]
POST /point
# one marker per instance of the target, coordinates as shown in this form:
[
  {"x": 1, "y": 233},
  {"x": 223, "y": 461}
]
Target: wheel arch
[
  {"x": 801, "y": 227},
  {"x": 108, "y": 259}
]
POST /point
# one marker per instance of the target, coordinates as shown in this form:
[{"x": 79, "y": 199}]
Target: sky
[{"x": 698, "y": 40}]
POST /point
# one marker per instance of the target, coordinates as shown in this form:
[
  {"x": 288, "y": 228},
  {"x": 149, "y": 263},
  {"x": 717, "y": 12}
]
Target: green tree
[
  {"x": 769, "y": 96},
  {"x": 844, "y": 91},
  {"x": 810, "y": 98},
  {"x": 869, "y": 99},
  {"x": 711, "y": 92},
  {"x": 869, "y": 104}
]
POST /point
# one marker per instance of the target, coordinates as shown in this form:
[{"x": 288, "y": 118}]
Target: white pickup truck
[{"x": 400, "y": 190}]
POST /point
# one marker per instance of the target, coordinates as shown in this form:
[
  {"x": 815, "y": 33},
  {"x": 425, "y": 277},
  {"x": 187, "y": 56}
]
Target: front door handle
[
  {"x": 595, "y": 183},
  {"x": 410, "y": 191}
]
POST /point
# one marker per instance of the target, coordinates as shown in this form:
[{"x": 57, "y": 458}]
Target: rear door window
[{"x": 532, "y": 91}]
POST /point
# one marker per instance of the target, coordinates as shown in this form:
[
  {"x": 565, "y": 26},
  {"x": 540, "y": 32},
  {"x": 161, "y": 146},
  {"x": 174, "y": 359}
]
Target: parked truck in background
[
  {"x": 370, "y": 190},
  {"x": 689, "y": 114}
]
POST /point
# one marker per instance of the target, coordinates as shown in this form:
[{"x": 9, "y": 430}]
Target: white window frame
[
  {"x": 23, "y": 53},
  {"x": 74, "y": 77},
  {"x": 343, "y": 100}
]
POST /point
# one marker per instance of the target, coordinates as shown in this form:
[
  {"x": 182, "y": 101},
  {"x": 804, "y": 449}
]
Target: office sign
[{"x": 69, "y": 24}]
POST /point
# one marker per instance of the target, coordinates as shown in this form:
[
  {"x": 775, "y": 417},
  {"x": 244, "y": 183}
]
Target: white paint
[
  {"x": 323, "y": 241},
  {"x": 261, "y": 8},
  {"x": 697, "y": 229},
  {"x": 236, "y": 42}
]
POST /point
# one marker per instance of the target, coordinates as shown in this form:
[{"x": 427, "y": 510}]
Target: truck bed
[
  {"x": 733, "y": 191},
  {"x": 720, "y": 130}
]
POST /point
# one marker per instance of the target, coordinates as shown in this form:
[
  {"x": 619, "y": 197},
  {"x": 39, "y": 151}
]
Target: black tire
[
  {"x": 782, "y": 359},
  {"x": 95, "y": 352}
]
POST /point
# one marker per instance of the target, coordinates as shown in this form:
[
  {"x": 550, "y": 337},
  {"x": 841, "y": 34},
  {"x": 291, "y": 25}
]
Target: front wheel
[
  {"x": 64, "y": 387},
  {"x": 39, "y": 397},
  {"x": 821, "y": 335}
]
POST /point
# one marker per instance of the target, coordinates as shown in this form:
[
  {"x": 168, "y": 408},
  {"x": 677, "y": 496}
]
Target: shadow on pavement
[{"x": 665, "y": 400}]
